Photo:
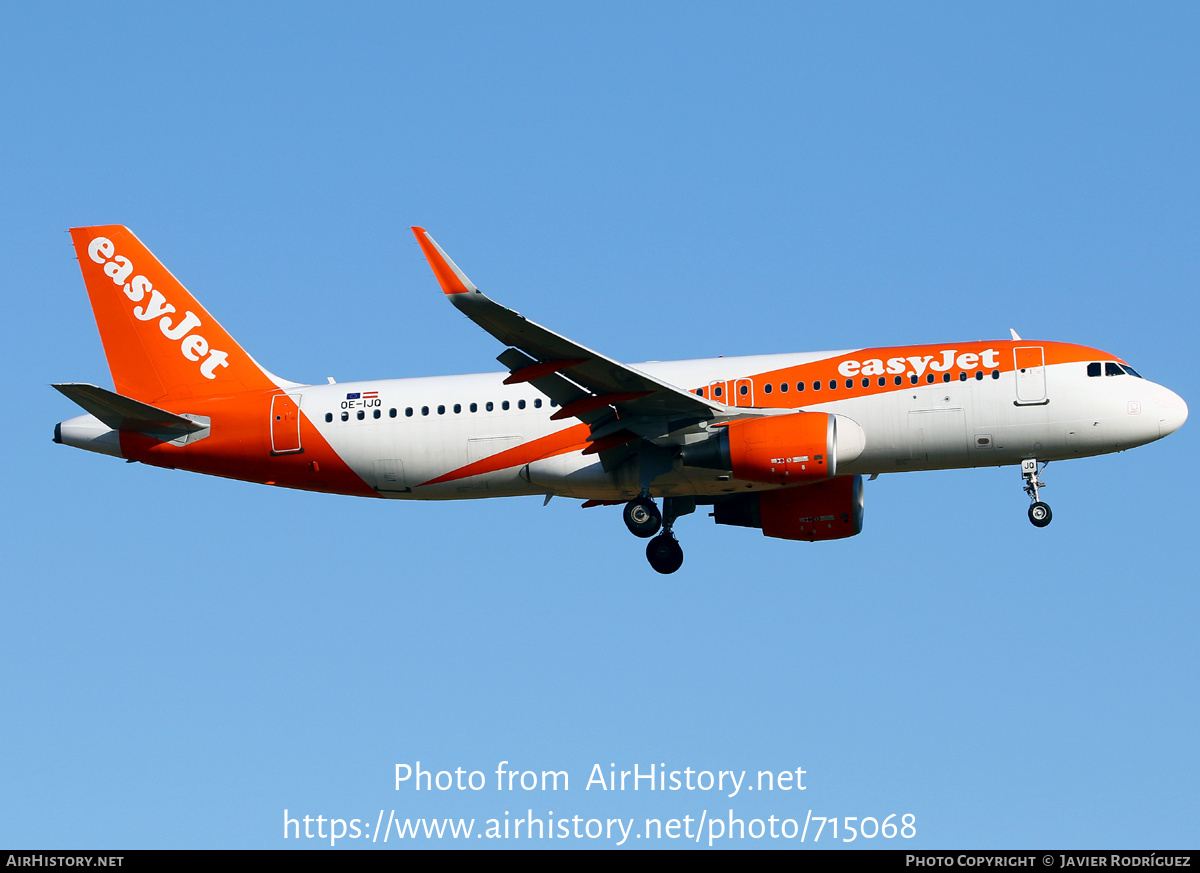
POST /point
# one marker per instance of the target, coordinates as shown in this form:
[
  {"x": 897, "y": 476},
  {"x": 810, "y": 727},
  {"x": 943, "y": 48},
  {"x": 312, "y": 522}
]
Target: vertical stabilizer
[{"x": 160, "y": 343}]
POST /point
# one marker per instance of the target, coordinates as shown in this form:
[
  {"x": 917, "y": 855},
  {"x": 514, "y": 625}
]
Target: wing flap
[{"x": 562, "y": 391}]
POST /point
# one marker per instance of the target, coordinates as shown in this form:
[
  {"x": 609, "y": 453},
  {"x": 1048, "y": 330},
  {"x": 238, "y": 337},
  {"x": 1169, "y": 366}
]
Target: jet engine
[
  {"x": 780, "y": 449},
  {"x": 829, "y": 510}
]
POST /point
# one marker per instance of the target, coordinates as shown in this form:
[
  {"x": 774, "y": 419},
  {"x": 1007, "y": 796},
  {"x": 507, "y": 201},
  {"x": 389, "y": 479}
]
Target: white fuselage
[{"x": 972, "y": 423}]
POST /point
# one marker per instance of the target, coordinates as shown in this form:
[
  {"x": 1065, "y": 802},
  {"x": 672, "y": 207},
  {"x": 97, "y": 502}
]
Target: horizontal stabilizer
[{"x": 124, "y": 413}]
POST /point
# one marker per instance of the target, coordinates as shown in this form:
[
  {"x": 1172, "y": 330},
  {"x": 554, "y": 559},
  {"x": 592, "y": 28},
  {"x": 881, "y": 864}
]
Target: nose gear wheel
[{"x": 1039, "y": 514}]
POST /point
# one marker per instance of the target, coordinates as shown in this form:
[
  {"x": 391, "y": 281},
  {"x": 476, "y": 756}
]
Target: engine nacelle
[
  {"x": 830, "y": 510},
  {"x": 781, "y": 449}
]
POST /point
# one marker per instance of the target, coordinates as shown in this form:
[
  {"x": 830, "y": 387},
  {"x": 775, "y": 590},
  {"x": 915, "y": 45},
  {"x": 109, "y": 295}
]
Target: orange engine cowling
[
  {"x": 781, "y": 449},
  {"x": 830, "y": 510}
]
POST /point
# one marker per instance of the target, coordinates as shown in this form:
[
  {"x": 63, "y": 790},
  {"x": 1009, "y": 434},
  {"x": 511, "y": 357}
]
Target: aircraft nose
[{"x": 1172, "y": 411}]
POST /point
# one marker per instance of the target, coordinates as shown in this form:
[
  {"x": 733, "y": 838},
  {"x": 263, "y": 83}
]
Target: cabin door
[
  {"x": 285, "y": 424},
  {"x": 1030, "y": 366}
]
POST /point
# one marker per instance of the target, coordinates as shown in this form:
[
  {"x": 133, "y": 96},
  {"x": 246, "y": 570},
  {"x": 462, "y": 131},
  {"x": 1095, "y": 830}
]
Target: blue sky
[{"x": 183, "y": 657}]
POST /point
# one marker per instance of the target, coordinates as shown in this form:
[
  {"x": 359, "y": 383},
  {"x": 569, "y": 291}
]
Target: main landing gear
[
  {"x": 664, "y": 553},
  {"x": 644, "y": 520},
  {"x": 1039, "y": 513},
  {"x": 642, "y": 517}
]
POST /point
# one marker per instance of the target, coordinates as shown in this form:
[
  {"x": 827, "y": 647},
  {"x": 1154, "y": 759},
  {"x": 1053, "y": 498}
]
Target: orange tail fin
[{"x": 160, "y": 343}]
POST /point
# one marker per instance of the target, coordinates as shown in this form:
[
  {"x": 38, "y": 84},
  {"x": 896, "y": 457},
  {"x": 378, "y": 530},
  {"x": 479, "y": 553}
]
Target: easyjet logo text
[
  {"x": 918, "y": 364},
  {"x": 192, "y": 345}
]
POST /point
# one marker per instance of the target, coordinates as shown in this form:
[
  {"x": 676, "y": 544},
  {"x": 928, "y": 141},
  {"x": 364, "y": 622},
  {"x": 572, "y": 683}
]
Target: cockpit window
[
  {"x": 1132, "y": 372},
  {"x": 1111, "y": 369},
  {"x": 1093, "y": 369}
]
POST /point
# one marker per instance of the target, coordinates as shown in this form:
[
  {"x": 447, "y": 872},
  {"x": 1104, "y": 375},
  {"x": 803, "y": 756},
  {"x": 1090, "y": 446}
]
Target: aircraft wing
[{"x": 584, "y": 383}]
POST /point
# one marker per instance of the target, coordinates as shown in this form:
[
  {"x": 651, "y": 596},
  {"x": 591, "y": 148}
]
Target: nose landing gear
[
  {"x": 1039, "y": 513},
  {"x": 644, "y": 520}
]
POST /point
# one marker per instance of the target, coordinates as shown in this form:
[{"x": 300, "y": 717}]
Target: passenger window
[
  {"x": 717, "y": 391},
  {"x": 866, "y": 383},
  {"x": 504, "y": 405},
  {"x": 1094, "y": 369},
  {"x": 816, "y": 384},
  {"x": 849, "y": 383},
  {"x": 882, "y": 381},
  {"x": 783, "y": 387},
  {"x": 912, "y": 377},
  {"x": 408, "y": 411},
  {"x": 995, "y": 374},
  {"x": 767, "y": 388},
  {"x": 929, "y": 378},
  {"x": 553, "y": 403},
  {"x": 441, "y": 409},
  {"x": 899, "y": 380},
  {"x": 424, "y": 410},
  {"x": 799, "y": 386},
  {"x": 457, "y": 408},
  {"x": 361, "y": 415},
  {"x": 744, "y": 390},
  {"x": 833, "y": 384},
  {"x": 474, "y": 407},
  {"x": 979, "y": 375},
  {"x": 345, "y": 416},
  {"x": 962, "y": 377},
  {"x": 392, "y": 412},
  {"x": 328, "y": 416},
  {"x": 700, "y": 391},
  {"x": 537, "y": 403},
  {"x": 520, "y": 404},
  {"x": 377, "y": 413},
  {"x": 945, "y": 377},
  {"x": 1111, "y": 369},
  {"x": 489, "y": 407}
]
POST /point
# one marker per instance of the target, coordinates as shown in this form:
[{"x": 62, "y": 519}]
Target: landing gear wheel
[
  {"x": 642, "y": 517},
  {"x": 664, "y": 554},
  {"x": 1039, "y": 514}
]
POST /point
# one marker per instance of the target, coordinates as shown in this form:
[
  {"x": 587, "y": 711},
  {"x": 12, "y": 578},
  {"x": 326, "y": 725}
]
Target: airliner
[{"x": 778, "y": 442}]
